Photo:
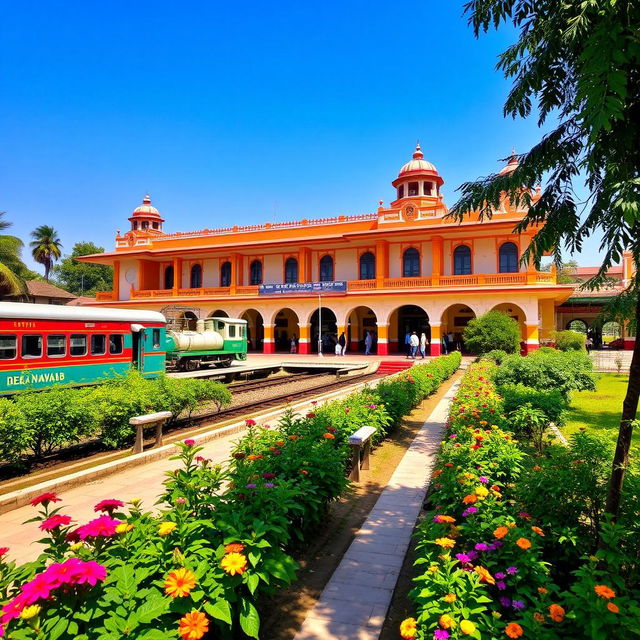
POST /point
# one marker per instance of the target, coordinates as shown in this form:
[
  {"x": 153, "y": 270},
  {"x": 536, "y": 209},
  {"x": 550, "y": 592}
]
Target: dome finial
[
  {"x": 417, "y": 154},
  {"x": 146, "y": 199}
]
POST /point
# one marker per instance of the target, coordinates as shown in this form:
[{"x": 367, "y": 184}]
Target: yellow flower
[
  {"x": 234, "y": 563},
  {"x": 408, "y": 628},
  {"x": 124, "y": 527},
  {"x": 179, "y": 583},
  {"x": 76, "y": 547},
  {"x": 434, "y": 568},
  {"x": 445, "y": 543},
  {"x": 28, "y": 613},
  {"x": 446, "y": 621},
  {"x": 484, "y": 574},
  {"x": 467, "y": 627},
  {"x": 166, "y": 528},
  {"x": 482, "y": 492},
  {"x": 450, "y": 597}
]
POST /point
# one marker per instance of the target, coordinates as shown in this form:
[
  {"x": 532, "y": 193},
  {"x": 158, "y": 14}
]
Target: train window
[
  {"x": 115, "y": 344},
  {"x": 31, "y": 346},
  {"x": 98, "y": 345},
  {"x": 78, "y": 345},
  {"x": 156, "y": 338},
  {"x": 232, "y": 330},
  {"x": 56, "y": 346},
  {"x": 8, "y": 347}
]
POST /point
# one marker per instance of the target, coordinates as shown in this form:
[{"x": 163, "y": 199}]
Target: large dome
[
  {"x": 146, "y": 209},
  {"x": 418, "y": 163}
]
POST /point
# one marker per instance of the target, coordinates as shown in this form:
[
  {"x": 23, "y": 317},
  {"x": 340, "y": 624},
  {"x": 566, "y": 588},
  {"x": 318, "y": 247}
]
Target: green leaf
[
  {"x": 152, "y": 609},
  {"x": 219, "y": 610},
  {"x": 250, "y": 619},
  {"x": 156, "y": 634},
  {"x": 252, "y": 582}
]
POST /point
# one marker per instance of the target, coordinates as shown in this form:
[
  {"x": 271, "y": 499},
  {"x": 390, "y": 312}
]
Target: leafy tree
[
  {"x": 46, "y": 247},
  {"x": 569, "y": 340},
  {"x": 576, "y": 67},
  {"x": 493, "y": 330},
  {"x": 81, "y": 278},
  {"x": 12, "y": 269}
]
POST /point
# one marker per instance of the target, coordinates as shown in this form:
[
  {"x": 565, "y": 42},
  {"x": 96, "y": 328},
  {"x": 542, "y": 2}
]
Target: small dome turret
[
  {"x": 418, "y": 178},
  {"x": 146, "y": 217},
  {"x": 511, "y": 165}
]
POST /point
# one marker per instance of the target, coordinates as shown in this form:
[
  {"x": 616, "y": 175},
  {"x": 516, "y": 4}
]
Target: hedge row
[
  {"x": 510, "y": 547},
  {"x": 39, "y": 422},
  {"x": 220, "y": 541}
]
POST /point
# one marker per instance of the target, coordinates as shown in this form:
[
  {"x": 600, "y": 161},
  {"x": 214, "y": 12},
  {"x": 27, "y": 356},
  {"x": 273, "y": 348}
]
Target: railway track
[{"x": 265, "y": 383}]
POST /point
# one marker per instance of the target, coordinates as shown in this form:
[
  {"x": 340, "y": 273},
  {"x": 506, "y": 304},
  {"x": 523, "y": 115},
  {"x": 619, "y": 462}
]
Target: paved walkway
[{"x": 354, "y": 603}]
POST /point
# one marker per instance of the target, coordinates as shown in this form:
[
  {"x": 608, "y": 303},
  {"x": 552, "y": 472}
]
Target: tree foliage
[
  {"x": 492, "y": 331},
  {"x": 46, "y": 247},
  {"x": 11, "y": 266},
  {"x": 576, "y": 67},
  {"x": 81, "y": 278}
]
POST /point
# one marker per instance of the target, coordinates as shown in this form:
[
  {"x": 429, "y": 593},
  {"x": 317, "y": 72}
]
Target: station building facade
[{"x": 407, "y": 267}]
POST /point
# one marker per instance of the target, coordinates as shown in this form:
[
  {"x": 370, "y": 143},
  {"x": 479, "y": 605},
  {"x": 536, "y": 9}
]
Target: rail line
[{"x": 265, "y": 383}]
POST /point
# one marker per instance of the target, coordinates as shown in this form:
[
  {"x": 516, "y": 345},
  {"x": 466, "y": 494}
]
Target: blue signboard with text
[{"x": 310, "y": 288}]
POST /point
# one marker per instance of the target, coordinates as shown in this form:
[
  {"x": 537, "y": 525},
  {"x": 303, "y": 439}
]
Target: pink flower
[
  {"x": 102, "y": 526},
  {"x": 189, "y": 442},
  {"x": 3, "y": 551},
  {"x": 45, "y": 499},
  {"x": 13, "y": 608},
  {"x": 109, "y": 505},
  {"x": 250, "y": 422},
  {"x": 90, "y": 573},
  {"x": 38, "y": 589},
  {"x": 54, "y": 522},
  {"x": 61, "y": 573}
]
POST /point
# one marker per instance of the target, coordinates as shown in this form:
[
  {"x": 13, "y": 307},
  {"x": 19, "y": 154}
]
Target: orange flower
[
  {"x": 179, "y": 583},
  {"x": 445, "y": 543},
  {"x": 408, "y": 628},
  {"x": 280, "y": 443},
  {"x": 538, "y": 530},
  {"x": 450, "y": 597},
  {"x": 193, "y": 626},
  {"x": 500, "y": 532},
  {"x": 613, "y": 607},
  {"x": 470, "y": 499},
  {"x": 437, "y": 473},
  {"x": 542, "y": 590},
  {"x": 304, "y": 471},
  {"x": 448, "y": 464},
  {"x": 234, "y": 547},
  {"x": 523, "y": 543},
  {"x": 538, "y": 617},
  {"x": 514, "y": 630},
  {"x": 485, "y": 576},
  {"x": 253, "y": 456},
  {"x": 537, "y": 468},
  {"x": 234, "y": 563},
  {"x": 293, "y": 437},
  {"x": 556, "y": 612},
  {"x": 445, "y": 519},
  {"x": 328, "y": 436},
  {"x": 604, "y": 592}
]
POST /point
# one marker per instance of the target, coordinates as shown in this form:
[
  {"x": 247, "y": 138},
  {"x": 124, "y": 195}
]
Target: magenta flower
[
  {"x": 54, "y": 522},
  {"x": 268, "y": 476},
  {"x": 518, "y": 605},
  {"x": 483, "y": 479},
  {"x": 512, "y": 571},
  {"x": 109, "y": 505},
  {"x": 481, "y": 546},
  {"x": 45, "y": 499},
  {"x": 103, "y": 526},
  {"x": 251, "y": 485},
  {"x": 189, "y": 442},
  {"x": 501, "y": 585},
  {"x": 39, "y": 588},
  {"x": 500, "y": 575},
  {"x": 453, "y": 435},
  {"x": 441, "y": 634},
  {"x": 250, "y": 422},
  {"x": 90, "y": 573},
  {"x": 269, "y": 485},
  {"x": 463, "y": 557},
  {"x": 504, "y": 601},
  {"x": 470, "y": 511}
]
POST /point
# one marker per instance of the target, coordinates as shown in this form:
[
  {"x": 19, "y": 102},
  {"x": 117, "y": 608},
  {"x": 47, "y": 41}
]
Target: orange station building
[{"x": 406, "y": 267}]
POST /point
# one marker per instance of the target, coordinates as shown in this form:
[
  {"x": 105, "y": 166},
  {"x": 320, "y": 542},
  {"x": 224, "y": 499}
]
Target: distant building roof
[
  {"x": 591, "y": 271},
  {"x": 80, "y": 301},
  {"x": 45, "y": 289}
]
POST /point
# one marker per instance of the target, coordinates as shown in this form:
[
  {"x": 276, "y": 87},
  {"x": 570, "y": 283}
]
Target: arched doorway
[
  {"x": 218, "y": 313},
  {"x": 186, "y": 321},
  {"x": 453, "y": 321},
  {"x": 328, "y": 333},
  {"x": 285, "y": 329},
  {"x": 255, "y": 329},
  {"x": 407, "y": 319},
  {"x": 611, "y": 332},
  {"x": 578, "y": 325},
  {"x": 360, "y": 321}
]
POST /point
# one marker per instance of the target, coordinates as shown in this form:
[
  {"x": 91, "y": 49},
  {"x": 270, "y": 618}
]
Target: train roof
[
  {"x": 22, "y": 310},
  {"x": 230, "y": 320}
]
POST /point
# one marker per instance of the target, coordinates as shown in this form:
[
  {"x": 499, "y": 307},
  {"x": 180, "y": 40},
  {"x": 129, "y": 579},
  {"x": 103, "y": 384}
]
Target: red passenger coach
[{"x": 42, "y": 345}]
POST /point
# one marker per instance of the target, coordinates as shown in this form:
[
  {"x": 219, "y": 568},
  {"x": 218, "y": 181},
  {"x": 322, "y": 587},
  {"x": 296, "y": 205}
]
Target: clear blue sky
[{"x": 238, "y": 112}]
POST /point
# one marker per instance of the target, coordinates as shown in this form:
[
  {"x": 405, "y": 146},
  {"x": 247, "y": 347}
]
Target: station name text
[{"x": 34, "y": 378}]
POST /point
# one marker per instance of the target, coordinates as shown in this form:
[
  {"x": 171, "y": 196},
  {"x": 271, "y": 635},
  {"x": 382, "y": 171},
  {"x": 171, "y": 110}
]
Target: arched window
[
  {"x": 508, "y": 258},
  {"x": 168, "y": 278},
  {"x": 326, "y": 269},
  {"x": 195, "y": 282},
  {"x": 225, "y": 274},
  {"x": 255, "y": 272},
  {"x": 462, "y": 260},
  {"x": 291, "y": 271},
  {"x": 367, "y": 266},
  {"x": 411, "y": 263}
]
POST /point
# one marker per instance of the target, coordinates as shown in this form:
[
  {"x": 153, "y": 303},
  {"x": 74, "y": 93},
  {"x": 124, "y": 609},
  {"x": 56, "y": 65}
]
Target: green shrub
[
  {"x": 57, "y": 417},
  {"x": 14, "y": 434},
  {"x": 180, "y": 395},
  {"x": 569, "y": 340},
  {"x": 546, "y": 369},
  {"x": 495, "y": 355},
  {"x": 492, "y": 331},
  {"x": 550, "y": 401}
]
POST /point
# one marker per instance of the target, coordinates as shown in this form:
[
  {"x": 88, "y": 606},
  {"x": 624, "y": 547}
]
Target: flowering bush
[
  {"x": 505, "y": 554},
  {"x": 219, "y": 541}
]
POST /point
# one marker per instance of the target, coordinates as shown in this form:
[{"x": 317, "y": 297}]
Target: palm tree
[
  {"x": 46, "y": 247},
  {"x": 11, "y": 266}
]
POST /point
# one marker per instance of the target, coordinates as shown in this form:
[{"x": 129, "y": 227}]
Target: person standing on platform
[
  {"x": 342, "y": 341},
  {"x": 451, "y": 340},
  {"x": 414, "y": 343},
  {"x": 368, "y": 343},
  {"x": 423, "y": 344},
  {"x": 407, "y": 343},
  {"x": 294, "y": 346},
  {"x": 445, "y": 345}
]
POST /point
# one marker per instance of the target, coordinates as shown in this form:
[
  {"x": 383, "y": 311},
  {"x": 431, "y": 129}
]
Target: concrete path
[{"x": 354, "y": 603}]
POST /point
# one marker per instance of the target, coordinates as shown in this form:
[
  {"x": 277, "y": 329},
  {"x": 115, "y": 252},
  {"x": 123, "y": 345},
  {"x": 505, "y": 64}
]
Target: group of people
[{"x": 413, "y": 343}]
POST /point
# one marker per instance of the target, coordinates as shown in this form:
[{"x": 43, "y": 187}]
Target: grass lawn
[{"x": 599, "y": 411}]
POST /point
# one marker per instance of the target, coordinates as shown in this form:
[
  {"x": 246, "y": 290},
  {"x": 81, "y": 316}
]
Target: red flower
[
  {"x": 311, "y": 414},
  {"x": 45, "y": 499},
  {"x": 3, "y": 551},
  {"x": 189, "y": 442},
  {"x": 250, "y": 423},
  {"x": 109, "y": 505},
  {"x": 239, "y": 456},
  {"x": 54, "y": 522}
]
